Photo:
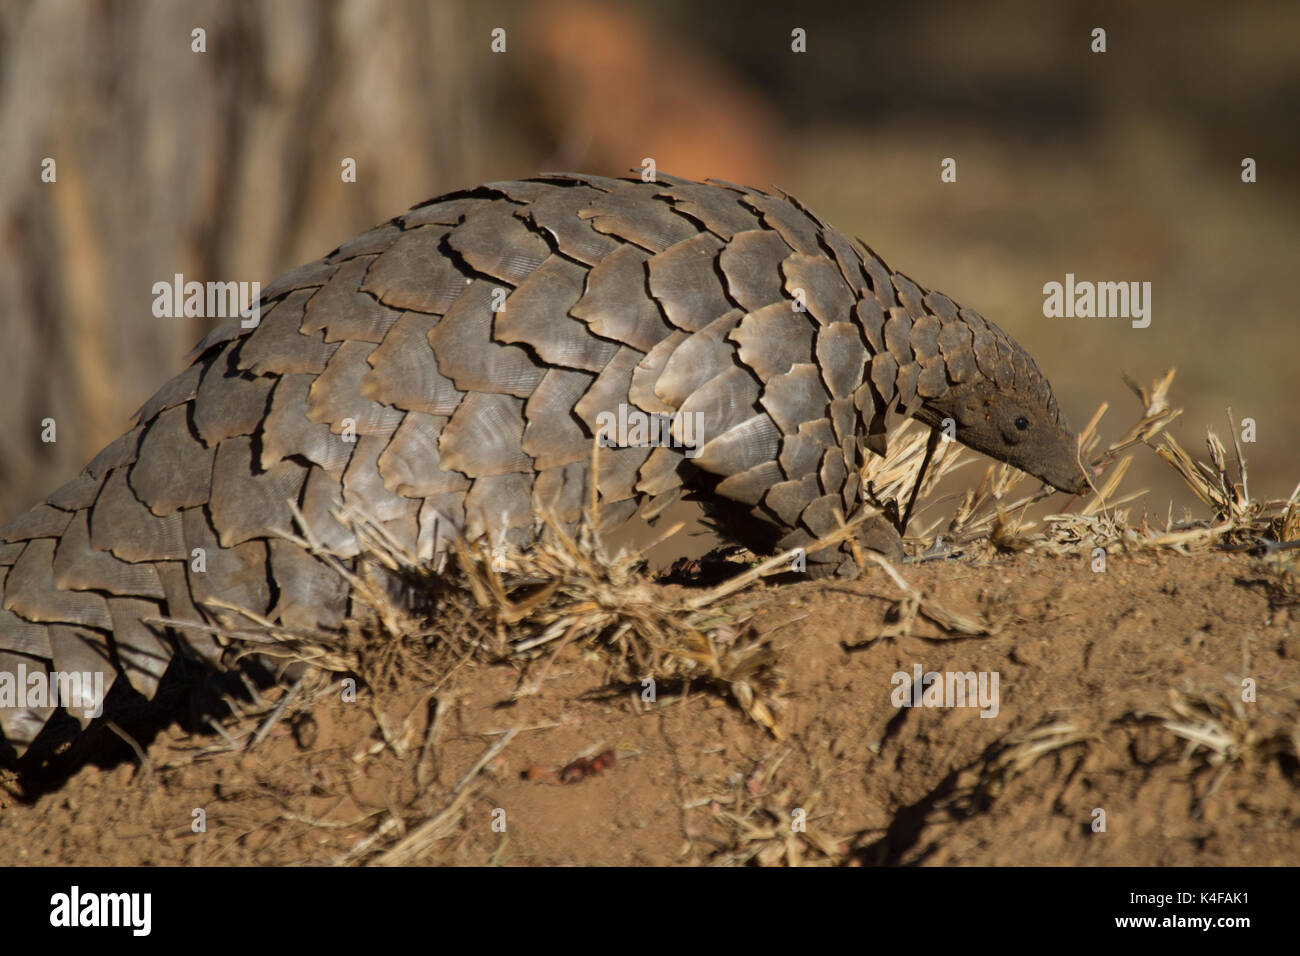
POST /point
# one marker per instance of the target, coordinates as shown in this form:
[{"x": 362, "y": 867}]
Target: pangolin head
[{"x": 1020, "y": 424}]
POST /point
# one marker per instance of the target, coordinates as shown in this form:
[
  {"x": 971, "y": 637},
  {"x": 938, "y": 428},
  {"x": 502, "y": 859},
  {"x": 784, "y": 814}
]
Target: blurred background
[{"x": 225, "y": 165}]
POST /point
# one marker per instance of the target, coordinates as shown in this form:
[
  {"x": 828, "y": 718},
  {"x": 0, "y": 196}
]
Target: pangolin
[{"x": 447, "y": 373}]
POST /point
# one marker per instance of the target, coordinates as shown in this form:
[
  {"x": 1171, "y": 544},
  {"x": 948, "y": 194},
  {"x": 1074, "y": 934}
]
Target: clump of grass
[
  {"x": 568, "y": 590},
  {"x": 753, "y": 820},
  {"x": 1221, "y": 730}
]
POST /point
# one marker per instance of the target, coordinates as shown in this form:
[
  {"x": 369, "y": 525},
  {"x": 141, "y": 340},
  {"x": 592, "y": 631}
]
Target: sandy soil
[{"x": 1104, "y": 679}]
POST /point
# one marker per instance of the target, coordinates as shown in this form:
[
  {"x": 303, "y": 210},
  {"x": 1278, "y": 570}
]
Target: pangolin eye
[{"x": 1022, "y": 423}]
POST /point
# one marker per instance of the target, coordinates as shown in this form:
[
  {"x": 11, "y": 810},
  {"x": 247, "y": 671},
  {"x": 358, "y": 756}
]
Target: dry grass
[
  {"x": 756, "y": 820},
  {"x": 568, "y": 590}
]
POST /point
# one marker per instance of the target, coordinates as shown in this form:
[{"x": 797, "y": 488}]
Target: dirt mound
[{"x": 1118, "y": 734}]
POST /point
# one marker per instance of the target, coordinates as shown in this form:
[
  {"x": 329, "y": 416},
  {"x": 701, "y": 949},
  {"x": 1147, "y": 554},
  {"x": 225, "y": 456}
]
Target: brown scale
[
  {"x": 467, "y": 355},
  {"x": 497, "y": 243},
  {"x": 307, "y": 598},
  {"x": 773, "y": 339},
  {"x": 179, "y": 390},
  {"x": 746, "y": 262},
  {"x": 82, "y": 650},
  {"x": 684, "y": 278},
  {"x": 174, "y": 469},
  {"x": 604, "y": 306},
  {"x": 413, "y": 274},
  {"x": 645, "y": 377},
  {"x": 79, "y": 567},
  {"x": 634, "y": 215},
  {"x": 553, "y": 437},
  {"x": 404, "y": 370},
  {"x": 720, "y": 211},
  {"x": 344, "y": 312},
  {"x": 717, "y": 406},
  {"x": 537, "y": 315},
  {"x": 335, "y": 397},
  {"x": 827, "y": 297},
  {"x": 287, "y": 431},
  {"x": 144, "y": 653},
  {"x": 411, "y": 464},
  {"x": 246, "y": 502},
  {"x": 278, "y": 347},
  {"x": 229, "y": 403},
  {"x": 696, "y": 360},
  {"x": 484, "y": 436},
  {"x": 556, "y": 213},
  {"x": 364, "y": 485}
]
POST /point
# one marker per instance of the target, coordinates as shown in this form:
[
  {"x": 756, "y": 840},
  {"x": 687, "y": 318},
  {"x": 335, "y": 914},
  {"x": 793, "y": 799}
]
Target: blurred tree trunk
[{"x": 223, "y": 165}]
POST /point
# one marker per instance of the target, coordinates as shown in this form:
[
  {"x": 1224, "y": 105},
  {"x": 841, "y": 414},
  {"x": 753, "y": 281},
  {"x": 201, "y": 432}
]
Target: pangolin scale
[{"x": 446, "y": 373}]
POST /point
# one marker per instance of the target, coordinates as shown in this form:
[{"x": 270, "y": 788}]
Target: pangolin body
[{"x": 446, "y": 373}]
